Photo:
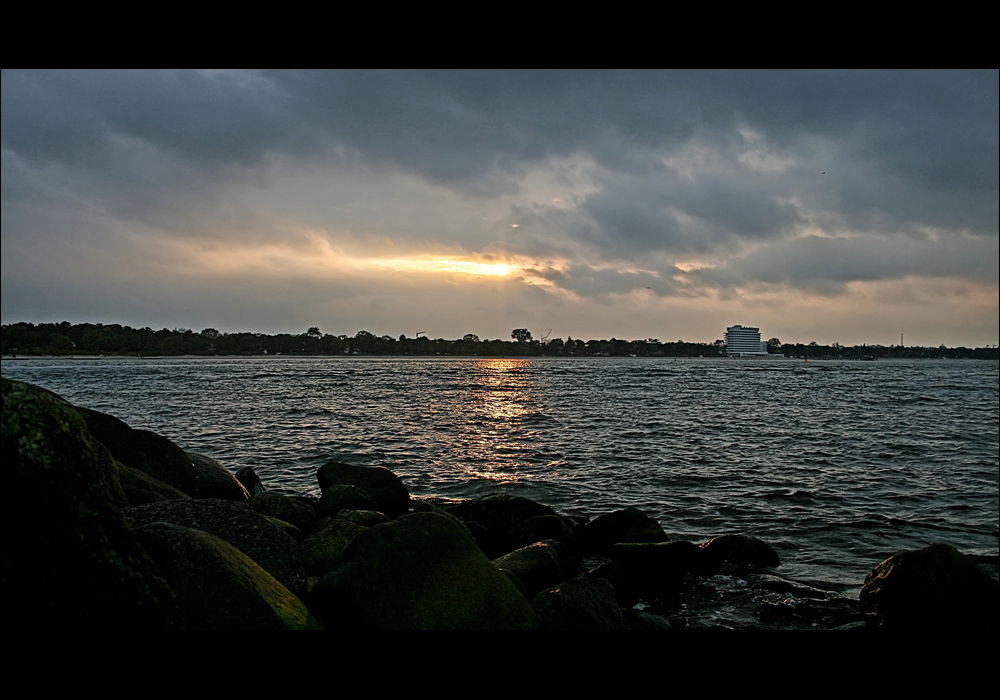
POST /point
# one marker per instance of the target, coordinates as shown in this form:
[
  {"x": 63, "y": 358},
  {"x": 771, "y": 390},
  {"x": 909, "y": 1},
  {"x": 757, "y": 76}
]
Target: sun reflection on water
[{"x": 496, "y": 442}]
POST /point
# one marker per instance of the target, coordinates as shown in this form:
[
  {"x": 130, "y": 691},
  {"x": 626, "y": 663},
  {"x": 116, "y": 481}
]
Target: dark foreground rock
[
  {"x": 385, "y": 488},
  {"x": 936, "y": 587},
  {"x": 218, "y": 586},
  {"x": 252, "y": 533},
  {"x": 69, "y": 560},
  {"x": 148, "y": 452},
  {"x": 214, "y": 480},
  {"x": 579, "y": 604},
  {"x": 419, "y": 572}
]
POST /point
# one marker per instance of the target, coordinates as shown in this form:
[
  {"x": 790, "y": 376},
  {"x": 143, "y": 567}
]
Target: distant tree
[
  {"x": 470, "y": 338},
  {"x": 210, "y": 333},
  {"x": 521, "y": 335},
  {"x": 773, "y": 344},
  {"x": 313, "y": 332}
]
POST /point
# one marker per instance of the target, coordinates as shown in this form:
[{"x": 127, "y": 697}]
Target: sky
[{"x": 836, "y": 207}]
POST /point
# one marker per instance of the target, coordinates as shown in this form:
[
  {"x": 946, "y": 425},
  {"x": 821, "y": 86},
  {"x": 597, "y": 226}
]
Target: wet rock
[
  {"x": 384, "y": 487},
  {"x": 338, "y": 497},
  {"x": 498, "y": 514},
  {"x": 936, "y": 587},
  {"x": 738, "y": 551},
  {"x": 365, "y": 518},
  {"x": 146, "y": 451},
  {"x": 579, "y": 604},
  {"x": 69, "y": 560},
  {"x": 218, "y": 586},
  {"x": 321, "y": 551},
  {"x": 250, "y": 481},
  {"x": 658, "y": 569},
  {"x": 421, "y": 571},
  {"x": 236, "y": 523},
  {"x": 536, "y": 566},
  {"x": 140, "y": 488},
  {"x": 215, "y": 481},
  {"x": 542, "y": 527},
  {"x": 642, "y": 621},
  {"x": 291, "y": 509},
  {"x": 629, "y": 525}
]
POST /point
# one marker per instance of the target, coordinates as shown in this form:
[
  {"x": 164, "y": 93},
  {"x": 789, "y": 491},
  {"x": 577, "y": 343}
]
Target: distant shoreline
[{"x": 560, "y": 358}]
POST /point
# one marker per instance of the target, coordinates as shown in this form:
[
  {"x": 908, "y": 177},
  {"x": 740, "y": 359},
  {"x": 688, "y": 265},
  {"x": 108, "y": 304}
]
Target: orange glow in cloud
[
  {"x": 452, "y": 265},
  {"x": 314, "y": 256}
]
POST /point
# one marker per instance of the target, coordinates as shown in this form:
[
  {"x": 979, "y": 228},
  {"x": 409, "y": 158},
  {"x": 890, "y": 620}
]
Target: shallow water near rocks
[{"x": 837, "y": 465}]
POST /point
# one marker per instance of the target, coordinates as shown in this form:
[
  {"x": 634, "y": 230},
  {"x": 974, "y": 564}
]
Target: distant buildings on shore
[{"x": 744, "y": 341}]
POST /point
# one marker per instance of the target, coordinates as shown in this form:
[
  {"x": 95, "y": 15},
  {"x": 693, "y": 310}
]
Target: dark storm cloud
[
  {"x": 699, "y": 164},
  {"x": 827, "y": 264}
]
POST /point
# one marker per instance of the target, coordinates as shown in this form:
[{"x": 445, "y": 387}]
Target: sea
[{"x": 837, "y": 465}]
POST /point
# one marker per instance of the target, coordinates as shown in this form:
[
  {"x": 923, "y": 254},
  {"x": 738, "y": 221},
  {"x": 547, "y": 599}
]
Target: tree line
[{"x": 114, "y": 339}]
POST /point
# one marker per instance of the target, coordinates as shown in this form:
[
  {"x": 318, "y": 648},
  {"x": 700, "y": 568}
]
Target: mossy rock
[
  {"x": 385, "y": 488},
  {"x": 71, "y": 562},
  {"x": 421, "y": 571},
  {"x": 936, "y": 587},
  {"x": 218, "y": 587}
]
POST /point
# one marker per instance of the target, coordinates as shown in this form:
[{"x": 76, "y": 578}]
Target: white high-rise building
[{"x": 744, "y": 341}]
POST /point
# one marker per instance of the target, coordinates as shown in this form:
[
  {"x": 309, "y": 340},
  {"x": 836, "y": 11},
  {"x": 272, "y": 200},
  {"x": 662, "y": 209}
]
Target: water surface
[{"x": 837, "y": 464}]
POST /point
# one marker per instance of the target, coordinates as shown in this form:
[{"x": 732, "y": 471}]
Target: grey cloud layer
[{"x": 684, "y": 164}]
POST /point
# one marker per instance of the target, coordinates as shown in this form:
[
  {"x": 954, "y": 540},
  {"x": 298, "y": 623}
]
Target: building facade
[{"x": 744, "y": 341}]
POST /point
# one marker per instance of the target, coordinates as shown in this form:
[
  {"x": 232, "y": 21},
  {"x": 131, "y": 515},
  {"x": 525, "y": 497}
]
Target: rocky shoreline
[{"x": 112, "y": 527}]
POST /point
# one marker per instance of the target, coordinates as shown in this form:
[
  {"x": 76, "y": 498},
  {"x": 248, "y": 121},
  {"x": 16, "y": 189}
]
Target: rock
[
  {"x": 629, "y": 525},
  {"x": 215, "y": 481},
  {"x": 236, "y": 523},
  {"x": 384, "y": 487},
  {"x": 421, "y": 571},
  {"x": 148, "y": 452},
  {"x": 141, "y": 488},
  {"x": 936, "y": 587},
  {"x": 642, "y": 621},
  {"x": 338, "y": 497},
  {"x": 739, "y": 551},
  {"x": 658, "y": 569},
  {"x": 321, "y": 551},
  {"x": 579, "y": 604},
  {"x": 250, "y": 481},
  {"x": 536, "y": 566},
  {"x": 498, "y": 514},
  {"x": 69, "y": 560},
  {"x": 218, "y": 586},
  {"x": 292, "y": 510},
  {"x": 366, "y": 518},
  {"x": 542, "y": 527}
]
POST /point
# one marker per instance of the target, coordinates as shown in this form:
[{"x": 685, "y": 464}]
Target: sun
[{"x": 500, "y": 269}]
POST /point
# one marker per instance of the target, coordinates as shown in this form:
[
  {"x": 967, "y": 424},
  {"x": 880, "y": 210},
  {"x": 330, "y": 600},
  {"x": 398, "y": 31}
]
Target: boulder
[
  {"x": 421, "y": 571},
  {"x": 658, "y": 569},
  {"x": 321, "y": 551},
  {"x": 579, "y": 604},
  {"x": 250, "y": 481},
  {"x": 69, "y": 560},
  {"x": 628, "y": 525},
  {"x": 542, "y": 527},
  {"x": 215, "y": 481},
  {"x": 740, "y": 551},
  {"x": 936, "y": 587},
  {"x": 148, "y": 452},
  {"x": 291, "y": 509},
  {"x": 498, "y": 514},
  {"x": 384, "y": 487},
  {"x": 253, "y": 534},
  {"x": 536, "y": 566},
  {"x": 141, "y": 488},
  {"x": 338, "y": 497},
  {"x": 218, "y": 587}
]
